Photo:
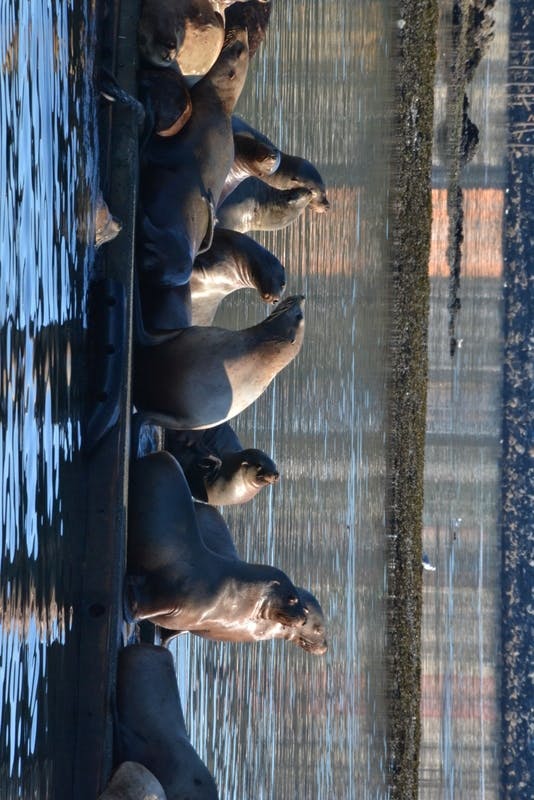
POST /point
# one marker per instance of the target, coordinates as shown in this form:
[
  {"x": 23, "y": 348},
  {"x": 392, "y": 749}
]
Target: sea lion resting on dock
[
  {"x": 234, "y": 261},
  {"x": 182, "y": 176},
  {"x": 293, "y": 172},
  {"x": 201, "y": 377},
  {"x": 310, "y": 636},
  {"x": 217, "y": 468},
  {"x": 256, "y": 206},
  {"x": 151, "y": 726},
  {"x": 175, "y": 581},
  {"x": 190, "y": 33}
]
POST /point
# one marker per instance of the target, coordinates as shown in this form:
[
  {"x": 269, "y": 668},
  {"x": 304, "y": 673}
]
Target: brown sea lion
[
  {"x": 310, "y": 637},
  {"x": 175, "y": 581},
  {"x": 293, "y": 172},
  {"x": 254, "y": 15},
  {"x": 186, "y": 33},
  {"x": 133, "y": 781},
  {"x": 203, "y": 376},
  {"x": 151, "y": 728},
  {"x": 256, "y": 206},
  {"x": 216, "y": 472},
  {"x": 234, "y": 261},
  {"x": 182, "y": 176}
]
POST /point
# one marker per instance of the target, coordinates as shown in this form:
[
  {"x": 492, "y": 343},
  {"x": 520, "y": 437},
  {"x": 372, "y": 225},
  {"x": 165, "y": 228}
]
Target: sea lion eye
[
  {"x": 231, "y": 74},
  {"x": 292, "y": 600}
]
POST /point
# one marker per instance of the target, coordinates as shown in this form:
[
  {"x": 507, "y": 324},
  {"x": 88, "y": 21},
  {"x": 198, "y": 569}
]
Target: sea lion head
[
  {"x": 255, "y": 16},
  {"x": 131, "y": 779},
  {"x": 229, "y": 72},
  {"x": 287, "y": 320},
  {"x": 302, "y": 173},
  {"x": 239, "y": 477},
  {"x": 311, "y": 636},
  {"x": 160, "y": 32},
  {"x": 269, "y": 277},
  {"x": 281, "y": 601},
  {"x": 257, "y": 468}
]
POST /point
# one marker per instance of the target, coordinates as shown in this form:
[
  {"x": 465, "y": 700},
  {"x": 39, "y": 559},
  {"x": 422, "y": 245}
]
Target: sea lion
[
  {"x": 107, "y": 227},
  {"x": 182, "y": 176},
  {"x": 252, "y": 158},
  {"x": 151, "y": 727},
  {"x": 202, "y": 376},
  {"x": 186, "y": 33},
  {"x": 166, "y": 100},
  {"x": 234, "y": 261},
  {"x": 293, "y": 172},
  {"x": 310, "y": 636},
  {"x": 132, "y": 781},
  {"x": 166, "y": 308},
  {"x": 254, "y": 15},
  {"x": 218, "y": 474},
  {"x": 256, "y": 206},
  {"x": 175, "y": 581}
]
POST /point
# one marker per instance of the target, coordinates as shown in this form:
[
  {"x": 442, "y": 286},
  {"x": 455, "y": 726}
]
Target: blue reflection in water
[{"x": 47, "y": 175}]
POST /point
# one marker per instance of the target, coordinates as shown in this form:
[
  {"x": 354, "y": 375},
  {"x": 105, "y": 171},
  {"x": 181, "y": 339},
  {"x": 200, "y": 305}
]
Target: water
[
  {"x": 460, "y": 748},
  {"x": 270, "y": 721},
  {"x": 47, "y": 169}
]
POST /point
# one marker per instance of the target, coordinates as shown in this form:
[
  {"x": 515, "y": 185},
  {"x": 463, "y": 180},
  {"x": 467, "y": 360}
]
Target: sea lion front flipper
[
  {"x": 207, "y": 241},
  {"x": 110, "y": 89}
]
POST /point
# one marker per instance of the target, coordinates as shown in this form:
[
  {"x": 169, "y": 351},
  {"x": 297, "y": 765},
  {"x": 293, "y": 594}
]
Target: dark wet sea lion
[
  {"x": 151, "y": 726},
  {"x": 234, "y": 261},
  {"x": 310, "y": 637},
  {"x": 203, "y": 376},
  {"x": 175, "y": 581},
  {"x": 133, "y": 781},
  {"x": 218, "y": 474},
  {"x": 166, "y": 308},
  {"x": 166, "y": 99},
  {"x": 186, "y": 33},
  {"x": 182, "y": 176},
  {"x": 254, "y": 15},
  {"x": 256, "y": 206},
  {"x": 252, "y": 158}
]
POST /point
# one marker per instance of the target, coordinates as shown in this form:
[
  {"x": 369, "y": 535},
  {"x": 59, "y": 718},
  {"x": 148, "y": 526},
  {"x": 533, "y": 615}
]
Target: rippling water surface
[
  {"x": 46, "y": 169},
  {"x": 271, "y": 720}
]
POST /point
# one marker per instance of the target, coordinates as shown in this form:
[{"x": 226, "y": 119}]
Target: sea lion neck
[{"x": 226, "y": 79}]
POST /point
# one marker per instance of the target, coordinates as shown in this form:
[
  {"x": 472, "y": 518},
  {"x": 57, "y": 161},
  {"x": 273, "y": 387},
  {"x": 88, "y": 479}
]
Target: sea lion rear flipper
[{"x": 212, "y": 220}]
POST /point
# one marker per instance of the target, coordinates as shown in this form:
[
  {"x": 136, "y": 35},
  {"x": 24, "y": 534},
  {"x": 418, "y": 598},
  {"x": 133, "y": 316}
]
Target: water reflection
[
  {"x": 269, "y": 720},
  {"x": 460, "y": 747},
  {"x": 45, "y": 225}
]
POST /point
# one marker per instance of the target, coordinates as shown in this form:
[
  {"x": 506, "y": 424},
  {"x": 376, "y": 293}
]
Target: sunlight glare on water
[{"x": 45, "y": 223}]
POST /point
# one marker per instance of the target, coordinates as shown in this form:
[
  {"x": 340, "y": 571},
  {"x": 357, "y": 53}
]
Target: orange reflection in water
[{"x": 483, "y": 230}]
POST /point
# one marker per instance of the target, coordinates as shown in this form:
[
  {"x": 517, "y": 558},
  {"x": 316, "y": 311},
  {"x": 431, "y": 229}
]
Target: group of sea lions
[{"x": 206, "y": 177}]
